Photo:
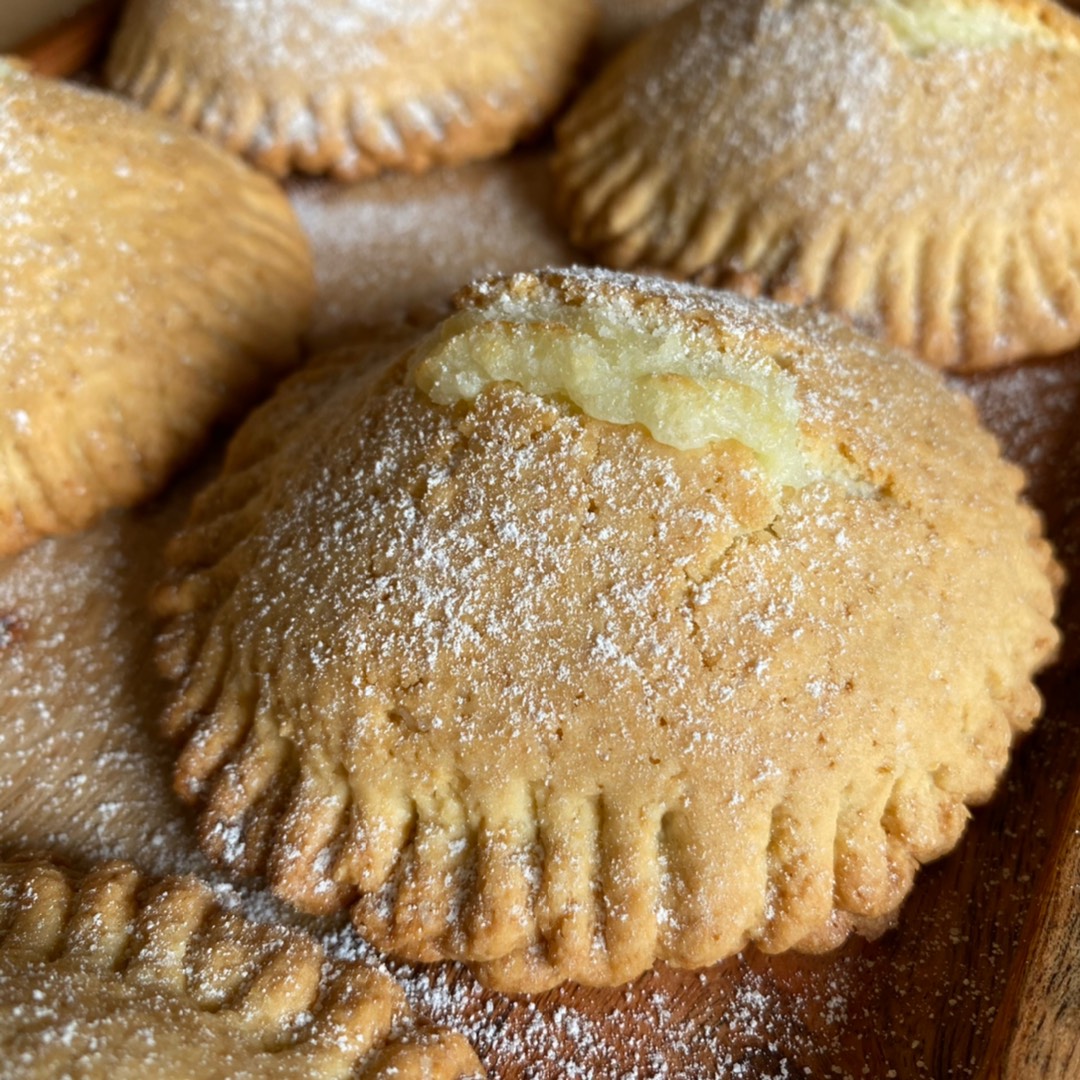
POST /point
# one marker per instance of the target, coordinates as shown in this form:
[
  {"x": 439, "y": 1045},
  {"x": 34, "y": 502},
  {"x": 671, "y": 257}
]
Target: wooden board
[{"x": 72, "y": 44}]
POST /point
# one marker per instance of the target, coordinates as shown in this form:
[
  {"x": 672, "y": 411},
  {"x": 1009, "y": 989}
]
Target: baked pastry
[
  {"x": 400, "y": 245},
  {"x": 148, "y": 283},
  {"x": 610, "y": 621},
  {"x": 353, "y": 87},
  {"x": 106, "y": 974},
  {"x": 861, "y": 156}
]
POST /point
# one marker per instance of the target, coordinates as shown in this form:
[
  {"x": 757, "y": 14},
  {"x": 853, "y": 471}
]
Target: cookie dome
[
  {"x": 149, "y": 285},
  {"x": 858, "y": 156},
  {"x": 352, "y": 87},
  {"x": 521, "y": 640}
]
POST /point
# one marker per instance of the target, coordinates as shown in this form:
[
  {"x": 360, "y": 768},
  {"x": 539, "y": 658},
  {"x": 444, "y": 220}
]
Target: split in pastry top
[
  {"x": 352, "y": 87},
  {"x": 149, "y": 284},
  {"x": 560, "y": 667},
  {"x": 905, "y": 163}
]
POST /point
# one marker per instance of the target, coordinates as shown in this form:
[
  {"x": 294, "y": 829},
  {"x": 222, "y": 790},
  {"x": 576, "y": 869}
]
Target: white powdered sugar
[
  {"x": 272, "y": 33},
  {"x": 392, "y": 246}
]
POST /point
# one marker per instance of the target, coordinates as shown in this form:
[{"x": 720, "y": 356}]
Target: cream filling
[
  {"x": 921, "y": 26},
  {"x": 679, "y": 385}
]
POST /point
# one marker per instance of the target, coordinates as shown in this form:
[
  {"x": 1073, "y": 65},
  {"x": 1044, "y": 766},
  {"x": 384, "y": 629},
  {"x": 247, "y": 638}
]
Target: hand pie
[
  {"x": 148, "y": 283},
  {"x": 906, "y": 163},
  {"x": 610, "y": 621},
  {"x": 352, "y": 87},
  {"x": 108, "y": 975}
]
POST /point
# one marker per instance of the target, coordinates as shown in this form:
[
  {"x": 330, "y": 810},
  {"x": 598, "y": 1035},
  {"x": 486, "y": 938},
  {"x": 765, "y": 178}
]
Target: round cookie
[
  {"x": 109, "y": 975},
  {"x": 352, "y": 87},
  {"x": 148, "y": 284},
  {"x": 610, "y": 621},
  {"x": 905, "y": 163}
]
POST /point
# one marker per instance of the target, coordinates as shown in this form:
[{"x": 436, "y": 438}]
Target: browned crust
[
  {"x": 546, "y": 878},
  {"x": 179, "y": 303},
  {"x": 274, "y": 986},
  {"x": 795, "y": 151},
  {"x": 443, "y": 92}
]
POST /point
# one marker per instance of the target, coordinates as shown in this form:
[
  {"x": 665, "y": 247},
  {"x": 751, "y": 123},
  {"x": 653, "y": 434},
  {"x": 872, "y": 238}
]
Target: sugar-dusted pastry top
[
  {"x": 109, "y": 975},
  {"x": 148, "y": 284},
  {"x": 682, "y": 386},
  {"x": 351, "y": 87},
  {"x": 540, "y": 692},
  {"x": 904, "y": 163}
]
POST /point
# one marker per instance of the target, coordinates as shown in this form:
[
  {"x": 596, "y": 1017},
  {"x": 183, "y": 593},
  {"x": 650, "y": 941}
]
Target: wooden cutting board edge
[
  {"x": 73, "y": 44},
  {"x": 1036, "y": 1034}
]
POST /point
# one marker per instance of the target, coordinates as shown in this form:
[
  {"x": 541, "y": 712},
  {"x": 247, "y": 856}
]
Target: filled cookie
[
  {"x": 353, "y": 87},
  {"x": 609, "y": 621},
  {"x": 106, "y": 974},
  {"x": 906, "y": 163},
  {"x": 149, "y": 283}
]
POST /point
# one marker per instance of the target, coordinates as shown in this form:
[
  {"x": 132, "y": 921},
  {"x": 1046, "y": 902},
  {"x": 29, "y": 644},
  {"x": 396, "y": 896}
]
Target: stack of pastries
[{"x": 560, "y": 622}]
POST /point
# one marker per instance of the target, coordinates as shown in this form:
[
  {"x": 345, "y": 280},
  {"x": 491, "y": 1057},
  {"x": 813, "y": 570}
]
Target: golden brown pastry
[
  {"x": 352, "y": 87},
  {"x": 610, "y": 621},
  {"x": 108, "y": 975},
  {"x": 400, "y": 245},
  {"x": 906, "y": 163},
  {"x": 148, "y": 284}
]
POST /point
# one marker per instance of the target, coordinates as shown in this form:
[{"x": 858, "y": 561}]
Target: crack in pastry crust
[
  {"x": 137, "y": 307},
  {"x": 538, "y": 692},
  {"x": 108, "y": 974},
  {"x": 353, "y": 87},
  {"x": 801, "y": 148}
]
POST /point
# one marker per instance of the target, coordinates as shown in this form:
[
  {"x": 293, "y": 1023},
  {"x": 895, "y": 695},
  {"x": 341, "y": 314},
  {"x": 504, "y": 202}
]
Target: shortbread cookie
[
  {"x": 148, "y": 283},
  {"x": 610, "y": 621},
  {"x": 108, "y": 975},
  {"x": 906, "y": 163},
  {"x": 352, "y": 87}
]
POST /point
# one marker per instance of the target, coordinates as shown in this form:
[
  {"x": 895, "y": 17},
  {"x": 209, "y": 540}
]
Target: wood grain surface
[
  {"x": 979, "y": 978},
  {"x": 1037, "y": 1033}
]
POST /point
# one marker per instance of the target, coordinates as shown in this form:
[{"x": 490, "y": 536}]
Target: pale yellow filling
[
  {"x": 921, "y": 26},
  {"x": 679, "y": 386}
]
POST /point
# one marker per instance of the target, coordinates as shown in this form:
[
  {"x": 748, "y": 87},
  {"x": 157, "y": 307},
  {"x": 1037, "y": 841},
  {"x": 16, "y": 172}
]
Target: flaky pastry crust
[
  {"x": 353, "y": 87},
  {"x": 148, "y": 285},
  {"x": 542, "y": 693},
  {"x": 106, "y": 974},
  {"x": 807, "y": 149}
]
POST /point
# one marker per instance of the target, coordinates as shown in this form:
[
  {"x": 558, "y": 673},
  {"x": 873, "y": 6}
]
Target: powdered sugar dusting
[
  {"x": 82, "y": 768},
  {"x": 398, "y": 244},
  {"x": 271, "y": 33},
  {"x": 49, "y": 240},
  {"x": 802, "y": 149},
  {"x": 748, "y": 1019},
  {"x": 479, "y": 574},
  {"x": 918, "y": 1005},
  {"x": 802, "y": 67}
]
